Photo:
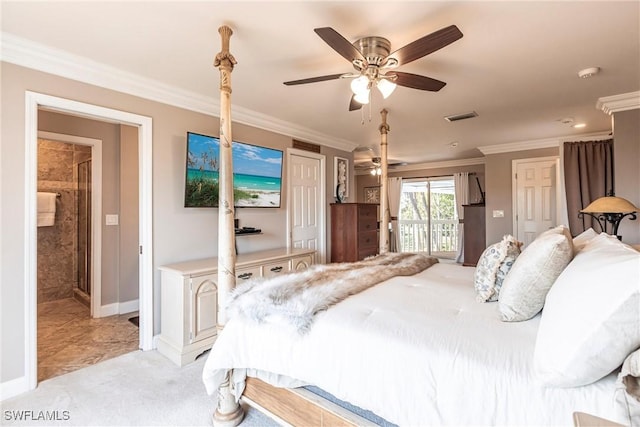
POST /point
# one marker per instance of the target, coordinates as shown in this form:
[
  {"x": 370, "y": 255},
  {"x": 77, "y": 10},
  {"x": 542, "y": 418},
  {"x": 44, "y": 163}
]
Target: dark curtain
[{"x": 588, "y": 175}]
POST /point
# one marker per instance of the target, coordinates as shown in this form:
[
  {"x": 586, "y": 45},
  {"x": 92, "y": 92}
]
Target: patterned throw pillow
[{"x": 493, "y": 266}]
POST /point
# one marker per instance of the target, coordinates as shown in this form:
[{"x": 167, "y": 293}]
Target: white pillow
[
  {"x": 591, "y": 318},
  {"x": 533, "y": 273},
  {"x": 493, "y": 266},
  {"x": 582, "y": 239}
]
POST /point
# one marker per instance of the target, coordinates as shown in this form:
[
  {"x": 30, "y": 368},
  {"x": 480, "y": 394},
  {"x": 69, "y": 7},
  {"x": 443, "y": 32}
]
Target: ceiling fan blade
[
  {"x": 426, "y": 45},
  {"x": 314, "y": 79},
  {"x": 353, "y": 104},
  {"x": 416, "y": 81},
  {"x": 339, "y": 44}
]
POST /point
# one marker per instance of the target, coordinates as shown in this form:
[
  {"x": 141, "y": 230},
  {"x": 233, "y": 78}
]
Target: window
[{"x": 427, "y": 220}]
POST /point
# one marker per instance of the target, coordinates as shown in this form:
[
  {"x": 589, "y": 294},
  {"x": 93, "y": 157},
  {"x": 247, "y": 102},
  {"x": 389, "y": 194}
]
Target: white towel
[{"x": 46, "y": 209}]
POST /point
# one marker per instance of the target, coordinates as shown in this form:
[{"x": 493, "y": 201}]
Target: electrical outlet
[{"x": 498, "y": 214}]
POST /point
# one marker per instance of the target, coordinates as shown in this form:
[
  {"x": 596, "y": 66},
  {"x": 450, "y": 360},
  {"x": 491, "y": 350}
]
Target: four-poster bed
[{"x": 415, "y": 350}]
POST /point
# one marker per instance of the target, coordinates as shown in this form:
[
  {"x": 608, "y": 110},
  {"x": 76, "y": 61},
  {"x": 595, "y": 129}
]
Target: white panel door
[
  {"x": 306, "y": 216},
  {"x": 536, "y": 198}
]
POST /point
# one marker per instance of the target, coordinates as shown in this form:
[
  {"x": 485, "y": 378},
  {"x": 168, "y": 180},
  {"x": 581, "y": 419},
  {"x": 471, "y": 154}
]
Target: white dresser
[{"x": 189, "y": 297}]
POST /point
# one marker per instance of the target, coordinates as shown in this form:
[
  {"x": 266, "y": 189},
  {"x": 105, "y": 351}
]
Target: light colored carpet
[{"x": 136, "y": 389}]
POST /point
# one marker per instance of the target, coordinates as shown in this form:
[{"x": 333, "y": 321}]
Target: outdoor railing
[{"x": 414, "y": 236}]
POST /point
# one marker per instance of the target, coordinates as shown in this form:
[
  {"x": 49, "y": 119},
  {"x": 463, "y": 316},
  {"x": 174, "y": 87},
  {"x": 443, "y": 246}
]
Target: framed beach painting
[
  {"x": 257, "y": 173},
  {"x": 341, "y": 178}
]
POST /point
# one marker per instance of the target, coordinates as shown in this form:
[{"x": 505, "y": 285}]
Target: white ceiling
[{"x": 516, "y": 65}]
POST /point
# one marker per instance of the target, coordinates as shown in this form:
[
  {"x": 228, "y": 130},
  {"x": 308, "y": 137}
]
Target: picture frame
[
  {"x": 341, "y": 176},
  {"x": 372, "y": 194}
]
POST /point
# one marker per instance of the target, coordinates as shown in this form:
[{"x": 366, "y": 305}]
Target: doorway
[
  {"x": 427, "y": 220},
  {"x": 73, "y": 331},
  {"x": 34, "y": 102},
  {"x": 536, "y": 196},
  {"x": 306, "y": 202}
]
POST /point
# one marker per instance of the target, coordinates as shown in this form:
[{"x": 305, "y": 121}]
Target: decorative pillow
[
  {"x": 558, "y": 229},
  {"x": 582, "y": 239},
  {"x": 627, "y": 393},
  {"x": 493, "y": 265},
  {"x": 591, "y": 319},
  {"x": 533, "y": 273}
]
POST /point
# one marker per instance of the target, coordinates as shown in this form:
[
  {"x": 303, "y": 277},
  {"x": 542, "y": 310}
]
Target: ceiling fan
[
  {"x": 374, "y": 63},
  {"x": 366, "y": 159}
]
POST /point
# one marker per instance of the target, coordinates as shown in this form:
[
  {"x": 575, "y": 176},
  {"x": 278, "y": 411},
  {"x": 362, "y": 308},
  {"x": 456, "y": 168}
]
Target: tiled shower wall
[{"x": 57, "y": 251}]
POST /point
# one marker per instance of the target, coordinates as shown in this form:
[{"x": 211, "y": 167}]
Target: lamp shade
[
  {"x": 610, "y": 204},
  {"x": 360, "y": 85},
  {"x": 386, "y": 87}
]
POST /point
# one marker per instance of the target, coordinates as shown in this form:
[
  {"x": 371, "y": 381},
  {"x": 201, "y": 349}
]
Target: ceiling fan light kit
[
  {"x": 373, "y": 60},
  {"x": 386, "y": 87}
]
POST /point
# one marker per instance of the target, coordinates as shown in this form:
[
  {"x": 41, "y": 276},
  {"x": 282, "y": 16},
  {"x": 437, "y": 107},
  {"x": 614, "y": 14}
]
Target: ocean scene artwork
[{"x": 257, "y": 173}]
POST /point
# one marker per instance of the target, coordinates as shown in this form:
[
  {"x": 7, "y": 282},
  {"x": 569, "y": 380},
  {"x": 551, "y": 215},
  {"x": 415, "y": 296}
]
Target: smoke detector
[{"x": 588, "y": 72}]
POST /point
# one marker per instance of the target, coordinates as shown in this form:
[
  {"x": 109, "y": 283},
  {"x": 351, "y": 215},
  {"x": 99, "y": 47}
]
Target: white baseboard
[
  {"x": 154, "y": 344},
  {"x": 128, "y": 306},
  {"x": 119, "y": 308},
  {"x": 12, "y": 388},
  {"x": 108, "y": 310}
]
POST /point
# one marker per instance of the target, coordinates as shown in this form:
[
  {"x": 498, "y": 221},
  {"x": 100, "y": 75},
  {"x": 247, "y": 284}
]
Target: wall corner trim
[
  {"x": 616, "y": 103},
  {"x": 541, "y": 143},
  {"x": 25, "y": 53}
]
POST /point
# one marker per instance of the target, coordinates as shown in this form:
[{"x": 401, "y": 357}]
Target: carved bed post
[
  {"x": 384, "y": 195},
  {"x": 228, "y": 413}
]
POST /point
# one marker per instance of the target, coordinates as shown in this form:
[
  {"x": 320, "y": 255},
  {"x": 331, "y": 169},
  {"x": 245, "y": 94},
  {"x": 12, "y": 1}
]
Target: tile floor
[{"x": 69, "y": 339}]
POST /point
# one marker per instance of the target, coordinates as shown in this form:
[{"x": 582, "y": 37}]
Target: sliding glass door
[{"x": 427, "y": 219}]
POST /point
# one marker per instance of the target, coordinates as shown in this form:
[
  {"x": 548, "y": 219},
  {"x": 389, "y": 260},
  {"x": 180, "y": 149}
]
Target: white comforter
[{"x": 415, "y": 350}]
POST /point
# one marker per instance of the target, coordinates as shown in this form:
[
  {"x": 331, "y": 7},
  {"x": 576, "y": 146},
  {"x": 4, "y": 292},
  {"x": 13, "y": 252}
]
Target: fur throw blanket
[{"x": 294, "y": 298}]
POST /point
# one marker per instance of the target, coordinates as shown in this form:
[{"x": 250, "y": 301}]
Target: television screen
[{"x": 257, "y": 173}]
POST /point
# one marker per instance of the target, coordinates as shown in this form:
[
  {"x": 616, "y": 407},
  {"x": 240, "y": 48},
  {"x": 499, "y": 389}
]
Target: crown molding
[
  {"x": 615, "y": 103},
  {"x": 540, "y": 143},
  {"x": 28, "y": 54},
  {"x": 441, "y": 164}
]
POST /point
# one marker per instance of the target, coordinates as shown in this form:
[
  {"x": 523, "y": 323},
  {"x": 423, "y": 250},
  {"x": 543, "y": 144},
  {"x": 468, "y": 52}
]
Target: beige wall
[
  {"x": 626, "y": 154},
  {"x": 128, "y": 242},
  {"x": 498, "y": 189},
  {"x": 178, "y": 234}
]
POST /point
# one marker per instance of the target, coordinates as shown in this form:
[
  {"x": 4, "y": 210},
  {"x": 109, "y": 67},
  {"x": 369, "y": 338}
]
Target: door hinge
[{"x": 140, "y": 249}]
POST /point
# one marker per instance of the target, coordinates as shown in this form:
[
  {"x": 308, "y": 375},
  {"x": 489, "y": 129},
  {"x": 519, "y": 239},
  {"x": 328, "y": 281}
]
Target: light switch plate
[
  {"x": 111, "y": 219},
  {"x": 498, "y": 214}
]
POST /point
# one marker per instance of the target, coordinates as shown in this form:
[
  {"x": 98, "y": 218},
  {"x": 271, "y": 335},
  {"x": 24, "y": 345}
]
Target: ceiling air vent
[{"x": 463, "y": 116}]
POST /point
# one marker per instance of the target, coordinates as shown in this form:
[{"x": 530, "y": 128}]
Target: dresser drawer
[
  {"x": 247, "y": 273},
  {"x": 366, "y": 252},
  {"x": 367, "y": 212},
  {"x": 367, "y": 239},
  {"x": 275, "y": 268},
  {"x": 367, "y": 224}
]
